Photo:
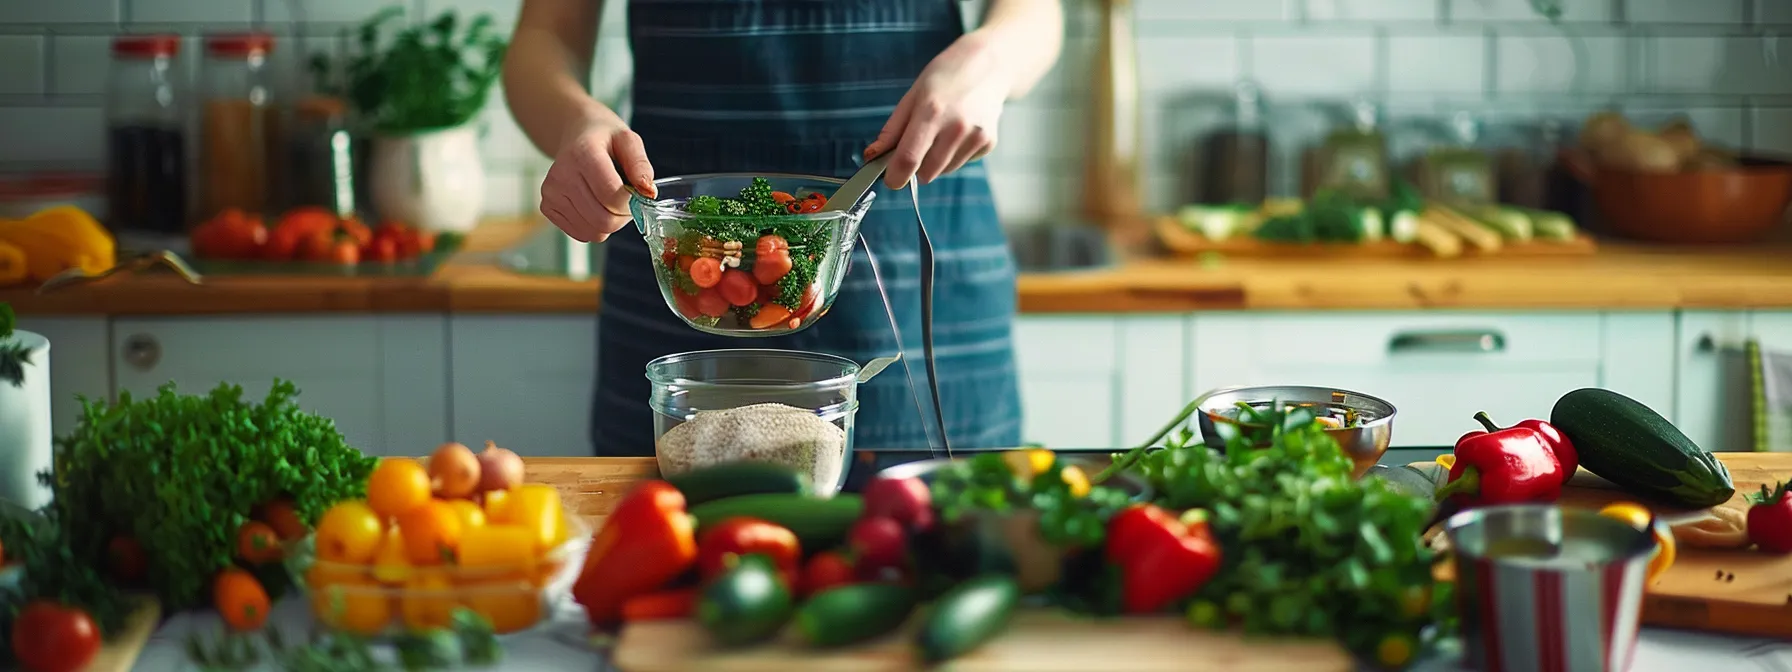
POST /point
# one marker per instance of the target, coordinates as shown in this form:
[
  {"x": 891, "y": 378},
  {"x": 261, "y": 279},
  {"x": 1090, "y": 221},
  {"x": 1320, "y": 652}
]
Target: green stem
[
  {"x": 1126, "y": 461},
  {"x": 1482, "y": 417},
  {"x": 1469, "y": 483}
]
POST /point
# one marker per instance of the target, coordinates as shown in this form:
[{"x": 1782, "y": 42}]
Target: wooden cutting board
[
  {"x": 1743, "y": 592},
  {"x": 1037, "y": 640}
]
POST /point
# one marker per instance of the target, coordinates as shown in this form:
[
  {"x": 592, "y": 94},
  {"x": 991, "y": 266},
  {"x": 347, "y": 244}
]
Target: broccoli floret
[
  {"x": 703, "y": 205},
  {"x": 757, "y": 198},
  {"x": 733, "y": 208},
  {"x": 794, "y": 284}
]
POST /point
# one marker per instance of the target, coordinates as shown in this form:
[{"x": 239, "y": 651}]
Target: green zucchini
[
  {"x": 819, "y": 524},
  {"x": 746, "y": 604},
  {"x": 1623, "y": 441},
  {"x": 732, "y": 479},
  {"x": 853, "y": 614},
  {"x": 967, "y": 617}
]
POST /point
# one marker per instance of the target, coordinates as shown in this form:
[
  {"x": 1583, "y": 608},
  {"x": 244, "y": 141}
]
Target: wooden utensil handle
[{"x": 1111, "y": 171}]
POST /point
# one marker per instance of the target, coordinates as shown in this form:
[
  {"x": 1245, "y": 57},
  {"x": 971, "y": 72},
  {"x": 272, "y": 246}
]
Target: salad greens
[{"x": 987, "y": 482}]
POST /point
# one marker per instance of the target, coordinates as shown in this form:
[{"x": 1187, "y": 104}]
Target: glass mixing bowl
[
  {"x": 747, "y": 298},
  {"x": 792, "y": 408}
]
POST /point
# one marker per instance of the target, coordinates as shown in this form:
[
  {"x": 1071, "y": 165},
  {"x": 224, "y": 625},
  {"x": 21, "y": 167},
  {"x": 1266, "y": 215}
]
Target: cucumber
[
  {"x": 819, "y": 524},
  {"x": 966, "y": 617},
  {"x": 1623, "y": 441},
  {"x": 746, "y": 604},
  {"x": 732, "y": 479},
  {"x": 853, "y": 614}
]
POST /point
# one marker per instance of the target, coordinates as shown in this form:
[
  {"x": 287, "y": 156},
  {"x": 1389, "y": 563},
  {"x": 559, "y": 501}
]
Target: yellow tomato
[
  {"x": 498, "y": 546},
  {"x": 390, "y": 564},
  {"x": 536, "y": 507},
  {"x": 1077, "y": 480},
  {"x": 470, "y": 514},
  {"x": 427, "y": 601},
  {"x": 1639, "y": 517},
  {"x": 349, "y": 532},
  {"x": 350, "y": 602},
  {"x": 497, "y": 506},
  {"x": 510, "y": 603},
  {"x": 1029, "y": 462}
]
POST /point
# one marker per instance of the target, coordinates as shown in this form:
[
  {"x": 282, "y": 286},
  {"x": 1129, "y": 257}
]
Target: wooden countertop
[{"x": 1620, "y": 276}]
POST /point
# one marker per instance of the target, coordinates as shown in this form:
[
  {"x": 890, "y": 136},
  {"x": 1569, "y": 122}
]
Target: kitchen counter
[{"x": 1620, "y": 276}]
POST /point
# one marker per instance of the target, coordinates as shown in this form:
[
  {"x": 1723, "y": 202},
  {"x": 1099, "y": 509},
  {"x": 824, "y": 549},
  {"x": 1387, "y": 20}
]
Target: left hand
[{"x": 948, "y": 118}]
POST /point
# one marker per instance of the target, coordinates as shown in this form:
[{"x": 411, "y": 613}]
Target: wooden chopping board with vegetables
[{"x": 1720, "y": 579}]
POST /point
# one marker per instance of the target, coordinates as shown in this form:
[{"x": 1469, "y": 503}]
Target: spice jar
[
  {"x": 320, "y": 156},
  {"x": 238, "y": 123},
  {"x": 1459, "y": 170},
  {"x": 1352, "y": 160},
  {"x": 1235, "y": 158},
  {"x": 146, "y": 178}
]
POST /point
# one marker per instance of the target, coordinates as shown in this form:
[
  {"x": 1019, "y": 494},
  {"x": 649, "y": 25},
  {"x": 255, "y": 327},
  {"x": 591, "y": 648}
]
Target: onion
[
  {"x": 454, "y": 470},
  {"x": 499, "y": 469}
]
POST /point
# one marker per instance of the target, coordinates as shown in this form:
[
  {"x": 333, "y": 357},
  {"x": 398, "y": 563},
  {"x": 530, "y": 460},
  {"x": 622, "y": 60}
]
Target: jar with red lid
[
  {"x": 146, "y": 171},
  {"x": 238, "y": 124}
]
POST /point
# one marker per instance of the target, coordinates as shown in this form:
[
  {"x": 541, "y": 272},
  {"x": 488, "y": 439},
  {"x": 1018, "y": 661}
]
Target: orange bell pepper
[{"x": 645, "y": 543}]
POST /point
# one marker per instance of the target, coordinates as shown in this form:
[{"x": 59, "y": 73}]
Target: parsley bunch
[{"x": 180, "y": 474}]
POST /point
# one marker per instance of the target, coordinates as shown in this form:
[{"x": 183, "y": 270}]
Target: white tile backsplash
[{"x": 1715, "y": 60}]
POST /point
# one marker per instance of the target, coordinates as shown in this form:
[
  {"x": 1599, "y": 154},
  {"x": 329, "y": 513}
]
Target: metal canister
[{"x": 1548, "y": 588}]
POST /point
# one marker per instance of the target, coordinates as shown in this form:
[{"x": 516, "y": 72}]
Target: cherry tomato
[
  {"x": 344, "y": 252},
  {"x": 426, "y": 241},
  {"x": 782, "y": 196},
  {"x": 769, "y": 269},
  {"x": 826, "y": 570},
  {"x": 706, "y": 272},
  {"x": 742, "y": 535},
  {"x": 878, "y": 542},
  {"x": 355, "y": 230},
  {"x": 737, "y": 287},
  {"x": 770, "y": 244},
  {"x": 318, "y": 247},
  {"x": 230, "y": 235},
  {"x": 382, "y": 249},
  {"x": 687, "y": 304},
  {"x": 711, "y": 303},
  {"x": 48, "y": 637}
]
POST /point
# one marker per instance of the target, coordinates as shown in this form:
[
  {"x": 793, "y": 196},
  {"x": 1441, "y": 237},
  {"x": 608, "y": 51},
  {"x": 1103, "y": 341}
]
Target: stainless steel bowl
[
  {"x": 1364, "y": 444},
  {"x": 1037, "y": 563}
]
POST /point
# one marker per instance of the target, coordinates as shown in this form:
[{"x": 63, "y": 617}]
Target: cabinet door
[
  {"x": 380, "y": 379},
  {"x": 1069, "y": 379},
  {"x": 1437, "y": 368},
  {"x": 78, "y": 364},
  {"x": 1711, "y": 396},
  {"x": 524, "y": 382}
]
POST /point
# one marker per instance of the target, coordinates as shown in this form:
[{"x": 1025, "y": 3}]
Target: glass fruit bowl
[
  {"x": 788, "y": 407},
  {"x": 744, "y": 254},
  {"x": 499, "y": 575}
]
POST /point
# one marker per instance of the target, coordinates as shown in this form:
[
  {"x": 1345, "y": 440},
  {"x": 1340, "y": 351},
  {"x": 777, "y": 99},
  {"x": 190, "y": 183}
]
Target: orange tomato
[
  {"x": 426, "y": 241},
  {"x": 256, "y": 543},
  {"x": 240, "y": 600},
  {"x": 501, "y": 545},
  {"x": 431, "y": 533},
  {"x": 396, "y": 486},
  {"x": 348, "y": 602},
  {"x": 391, "y": 565},
  {"x": 497, "y": 506},
  {"x": 344, "y": 252},
  {"x": 285, "y": 520},
  {"x": 509, "y": 604},
  {"x": 427, "y": 601},
  {"x": 355, "y": 230},
  {"x": 288, "y": 236},
  {"x": 471, "y": 516},
  {"x": 536, "y": 506},
  {"x": 349, "y": 532}
]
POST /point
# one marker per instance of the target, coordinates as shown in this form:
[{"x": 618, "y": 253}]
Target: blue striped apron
[{"x": 802, "y": 86}]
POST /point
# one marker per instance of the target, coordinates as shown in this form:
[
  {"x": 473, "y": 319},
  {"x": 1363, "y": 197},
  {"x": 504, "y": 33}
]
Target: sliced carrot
[
  {"x": 769, "y": 315},
  {"x": 706, "y": 272},
  {"x": 737, "y": 287},
  {"x": 782, "y": 196},
  {"x": 665, "y": 604}
]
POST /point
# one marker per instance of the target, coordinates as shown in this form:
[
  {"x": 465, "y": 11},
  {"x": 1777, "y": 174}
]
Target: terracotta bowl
[{"x": 1701, "y": 207}]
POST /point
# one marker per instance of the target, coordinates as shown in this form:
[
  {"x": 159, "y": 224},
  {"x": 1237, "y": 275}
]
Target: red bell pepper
[
  {"x": 736, "y": 537},
  {"x": 1161, "y": 558},
  {"x": 1770, "y": 519},
  {"x": 1505, "y": 466},
  {"x": 1558, "y": 442},
  {"x": 645, "y": 543}
]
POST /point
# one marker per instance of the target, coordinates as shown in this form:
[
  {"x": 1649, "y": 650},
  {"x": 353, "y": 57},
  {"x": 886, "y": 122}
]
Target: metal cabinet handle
[
  {"x": 1447, "y": 341},
  {"x": 142, "y": 351}
]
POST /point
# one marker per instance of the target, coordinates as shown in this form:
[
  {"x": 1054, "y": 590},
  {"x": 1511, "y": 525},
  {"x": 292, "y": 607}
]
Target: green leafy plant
[
  {"x": 417, "y": 78},
  {"x": 469, "y": 641},
  {"x": 13, "y": 356}
]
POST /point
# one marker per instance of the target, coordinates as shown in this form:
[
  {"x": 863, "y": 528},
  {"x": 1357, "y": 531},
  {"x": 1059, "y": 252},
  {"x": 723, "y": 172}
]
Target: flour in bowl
[{"x": 786, "y": 435}]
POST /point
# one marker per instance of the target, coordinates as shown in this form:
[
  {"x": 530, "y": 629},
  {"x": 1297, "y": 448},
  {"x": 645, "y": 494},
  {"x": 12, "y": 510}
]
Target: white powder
[{"x": 776, "y": 433}]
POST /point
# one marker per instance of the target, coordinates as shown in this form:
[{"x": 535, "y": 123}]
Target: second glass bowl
[{"x": 747, "y": 275}]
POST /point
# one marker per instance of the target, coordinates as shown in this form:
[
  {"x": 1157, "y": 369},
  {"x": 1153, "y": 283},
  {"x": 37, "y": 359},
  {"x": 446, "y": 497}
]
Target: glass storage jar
[
  {"x": 146, "y": 177},
  {"x": 238, "y": 124}
]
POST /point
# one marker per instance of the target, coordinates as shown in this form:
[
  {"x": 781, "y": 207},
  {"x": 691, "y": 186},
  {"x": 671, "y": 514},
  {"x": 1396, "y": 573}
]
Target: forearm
[
  {"x": 1026, "y": 36},
  {"x": 546, "y": 70}
]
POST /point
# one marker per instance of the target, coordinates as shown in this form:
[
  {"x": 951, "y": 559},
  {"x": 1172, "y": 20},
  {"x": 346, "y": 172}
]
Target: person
[{"x": 807, "y": 87}]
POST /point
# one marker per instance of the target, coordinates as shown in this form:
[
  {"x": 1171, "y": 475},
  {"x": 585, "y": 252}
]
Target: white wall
[{"x": 1717, "y": 60}]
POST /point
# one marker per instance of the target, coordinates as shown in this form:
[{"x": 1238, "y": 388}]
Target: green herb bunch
[
  {"x": 985, "y": 482},
  {"x": 13, "y": 356},
  {"x": 427, "y": 77},
  {"x": 1308, "y": 549},
  {"x": 469, "y": 641},
  {"x": 181, "y": 473}
]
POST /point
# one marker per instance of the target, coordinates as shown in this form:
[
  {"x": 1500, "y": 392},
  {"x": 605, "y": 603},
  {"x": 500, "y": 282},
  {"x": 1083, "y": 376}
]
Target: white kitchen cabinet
[
  {"x": 524, "y": 381},
  {"x": 1712, "y": 402},
  {"x": 78, "y": 364},
  {"x": 381, "y": 378},
  {"x": 1099, "y": 381},
  {"x": 1436, "y": 367}
]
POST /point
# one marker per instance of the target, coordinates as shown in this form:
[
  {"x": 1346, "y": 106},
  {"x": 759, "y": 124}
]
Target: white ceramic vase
[
  {"x": 433, "y": 180},
  {"x": 25, "y": 437}
]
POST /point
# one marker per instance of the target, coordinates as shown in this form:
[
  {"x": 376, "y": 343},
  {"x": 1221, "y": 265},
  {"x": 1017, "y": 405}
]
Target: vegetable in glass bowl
[{"x": 739, "y": 254}]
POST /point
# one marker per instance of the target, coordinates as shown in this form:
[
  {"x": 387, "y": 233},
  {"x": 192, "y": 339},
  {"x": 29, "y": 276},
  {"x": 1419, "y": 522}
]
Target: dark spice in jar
[{"x": 146, "y": 181}]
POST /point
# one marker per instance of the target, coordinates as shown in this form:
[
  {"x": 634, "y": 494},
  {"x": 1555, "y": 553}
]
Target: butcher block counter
[{"x": 1619, "y": 276}]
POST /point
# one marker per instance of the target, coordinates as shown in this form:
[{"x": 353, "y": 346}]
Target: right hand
[{"x": 583, "y": 193}]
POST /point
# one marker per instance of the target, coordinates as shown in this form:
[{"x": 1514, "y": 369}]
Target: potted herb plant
[
  {"x": 25, "y": 436},
  {"x": 418, "y": 90}
]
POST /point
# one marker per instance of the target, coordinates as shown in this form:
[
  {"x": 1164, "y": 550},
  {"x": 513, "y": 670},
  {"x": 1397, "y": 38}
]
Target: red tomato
[
  {"x": 711, "y": 303},
  {"x": 687, "y": 304},
  {"x": 48, "y": 637},
  {"x": 771, "y": 259},
  {"x": 737, "y": 287},
  {"x": 381, "y": 248},
  {"x": 878, "y": 543},
  {"x": 740, "y": 536},
  {"x": 357, "y": 231},
  {"x": 1770, "y": 519},
  {"x": 826, "y": 570},
  {"x": 318, "y": 247},
  {"x": 230, "y": 235}
]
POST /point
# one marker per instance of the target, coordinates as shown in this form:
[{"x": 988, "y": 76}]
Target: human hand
[
  {"x": 948, "y": 118},
  {"x": 583, "y": 193}
]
